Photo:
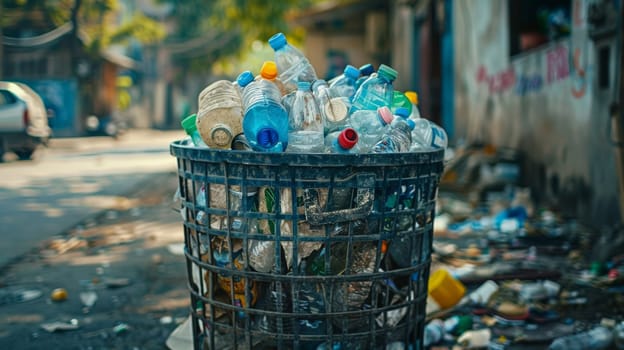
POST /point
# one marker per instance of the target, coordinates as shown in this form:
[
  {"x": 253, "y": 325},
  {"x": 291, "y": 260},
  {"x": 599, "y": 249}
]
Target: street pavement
[
  {"x": 123, "y": 249},
  {"x": 72, "y": 179}
]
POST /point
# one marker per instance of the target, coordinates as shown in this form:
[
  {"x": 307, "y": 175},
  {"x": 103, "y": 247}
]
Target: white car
[{"x": 23, "y": 120}]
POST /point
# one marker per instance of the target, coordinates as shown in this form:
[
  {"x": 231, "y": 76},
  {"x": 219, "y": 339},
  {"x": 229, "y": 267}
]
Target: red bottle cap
[{"x": 347, "y": 138}]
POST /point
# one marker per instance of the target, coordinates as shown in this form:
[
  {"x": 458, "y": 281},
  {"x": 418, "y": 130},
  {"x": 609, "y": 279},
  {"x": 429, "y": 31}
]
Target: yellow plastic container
[{"x": 445, "y": 289}]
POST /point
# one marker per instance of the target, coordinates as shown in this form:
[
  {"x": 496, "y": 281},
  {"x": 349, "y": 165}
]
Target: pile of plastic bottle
[{"x": 286, "y": 108}]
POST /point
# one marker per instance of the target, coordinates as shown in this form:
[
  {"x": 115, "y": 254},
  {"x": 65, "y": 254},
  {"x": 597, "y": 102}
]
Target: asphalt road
[{"x": 72, "y": 179}]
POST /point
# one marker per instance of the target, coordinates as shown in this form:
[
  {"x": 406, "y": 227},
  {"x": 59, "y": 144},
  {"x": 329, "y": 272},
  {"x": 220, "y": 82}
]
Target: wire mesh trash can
[{"x": 307, "y": 251}]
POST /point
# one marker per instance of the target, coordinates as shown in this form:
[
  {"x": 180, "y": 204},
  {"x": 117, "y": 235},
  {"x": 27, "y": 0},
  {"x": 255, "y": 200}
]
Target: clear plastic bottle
[
  {"x": 292, "y": 64},
  {"x": 189, "y": 125},
  {"x": 370, "y": 126},
  {"x": 343, "y": 141},
  {"x": 595, "y": 339},
  {"x": 398, "y": 138},
  {"x": 334, "y": 111},
  {"x": 243, "y": 80},
  {"x": 219, "y": 114},
  {"x": 305, "y": 125},
  {"x": 269, "y": 71},
  {"x": 265, "y": 121},
  {"x": 428, "y": 135},
  {"x": 376, "y": 91},
  {"x": 344, "y": 84},
  {"x": 434, "y": 332},
  {"x": 400, "y": 100},
  {"x": 365, "y": 71},
  {"x": 413, "y": 97}
]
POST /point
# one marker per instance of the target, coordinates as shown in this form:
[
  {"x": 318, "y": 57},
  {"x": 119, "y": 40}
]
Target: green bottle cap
[
  {"x": 387, "y": 71},
  {"x": 188, "y": 123}
]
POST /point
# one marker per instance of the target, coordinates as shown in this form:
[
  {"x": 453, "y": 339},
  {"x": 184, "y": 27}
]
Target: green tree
[
  {"x": 244, "y": 23},
  {"x": 96, "y": 19}
]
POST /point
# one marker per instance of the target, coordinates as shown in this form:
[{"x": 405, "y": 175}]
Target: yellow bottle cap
[
  {"x": 412, "y": 96},
  {"x": 445, "y": 289},
  {"x": 269, "y": 70}
]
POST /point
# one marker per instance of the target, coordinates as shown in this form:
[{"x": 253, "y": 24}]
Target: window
[
  {"x": 6, "y": 98},
  {"x": 533, "y": 23}
]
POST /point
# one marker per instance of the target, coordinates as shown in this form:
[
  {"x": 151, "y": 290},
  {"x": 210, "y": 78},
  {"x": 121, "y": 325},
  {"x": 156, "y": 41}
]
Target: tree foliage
[{"x": 98, "y": 19}]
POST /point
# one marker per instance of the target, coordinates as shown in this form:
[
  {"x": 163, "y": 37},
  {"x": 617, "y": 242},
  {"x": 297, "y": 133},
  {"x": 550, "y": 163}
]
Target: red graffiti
[
  {"x": 499, "y": 82},
  {"x": 558, "y": 66}
]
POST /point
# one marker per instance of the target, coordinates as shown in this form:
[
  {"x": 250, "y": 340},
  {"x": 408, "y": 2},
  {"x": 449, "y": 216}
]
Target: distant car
[{"x": 23, "y": 120}]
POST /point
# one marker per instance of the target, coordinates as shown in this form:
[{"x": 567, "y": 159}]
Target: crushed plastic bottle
[
  {"x": 305, "y": 126},
  {"x": 344, "y": 141},
  {"x": 219, "y": 114},
  {"x": 595, "y": 339},
  {"x": 427, "y": 135},
  {"x": 334, "y": 110},
  {"x": 370, "y": 126},
  {"x": 243, "y": 80},
  {"x": 292, "y": 64},
  {"x": 376, "y": 91},
  {"x": 344, "y": 84},
  {"x": 434, "y": 332},
  {"x": 365, "y": 71},
  {"x": 398, "y": 138}
]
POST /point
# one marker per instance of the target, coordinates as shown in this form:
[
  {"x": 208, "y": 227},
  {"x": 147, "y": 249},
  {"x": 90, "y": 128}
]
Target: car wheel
[{"x": 24, "y": 154}]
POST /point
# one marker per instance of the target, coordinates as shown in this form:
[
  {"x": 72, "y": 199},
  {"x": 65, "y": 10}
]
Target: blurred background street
[
  {"x": 524, "y": 96},
  {"x": 92, "y": 215}
]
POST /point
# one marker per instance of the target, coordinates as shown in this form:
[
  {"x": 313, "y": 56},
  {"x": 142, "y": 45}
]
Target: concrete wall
[{"x": 544, "y": 102}]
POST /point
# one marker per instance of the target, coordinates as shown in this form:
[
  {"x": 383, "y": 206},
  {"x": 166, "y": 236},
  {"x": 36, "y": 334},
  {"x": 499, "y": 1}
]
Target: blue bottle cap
[
  {"x": 244, "y": 78},
  {"x": 388, "y": 72},
  {"x": 351, "y": 72},
  {"x": 402, "y": 112},
  {"x": 367, "y": 69},
  {"x": 267, "y": 137},
  {"x": 303, "y": 85},
  {"x": 411, "y": 124},
  {"x": 277, "y": 41}
]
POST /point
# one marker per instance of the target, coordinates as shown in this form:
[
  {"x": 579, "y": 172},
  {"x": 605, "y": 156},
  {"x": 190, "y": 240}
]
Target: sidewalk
[{"x": 129, "y": 260}]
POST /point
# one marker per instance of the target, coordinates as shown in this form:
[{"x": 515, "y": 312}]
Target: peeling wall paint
[{"x": 543, "y": 102}]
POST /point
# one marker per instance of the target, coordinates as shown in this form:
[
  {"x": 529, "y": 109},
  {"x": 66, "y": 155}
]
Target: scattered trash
[
  {"x": 59, "y": 294},
  {"x": 121, "y": 328},
  {"x": 88, "y": 298},
  {"x": 176, "y": 249},
  {"x": 18, "y": 295},
  {"x": 166, "y": 320},
  {"x": 595, "y": 339},
  {"x": 60, "y": 326},
  {"x": 482, "y": 295},
  {"x": 475, "y": 339},
  {"x": 113, "y": 283},
  {"x": 182, "y": 337},
  {"x": 445, "y": 289}
]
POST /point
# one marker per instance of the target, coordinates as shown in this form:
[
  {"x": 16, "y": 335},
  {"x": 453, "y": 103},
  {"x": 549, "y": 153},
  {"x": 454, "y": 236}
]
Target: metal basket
[{"x": 307, "y": 251}]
